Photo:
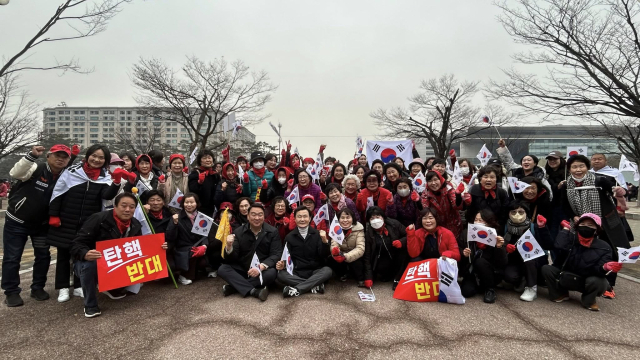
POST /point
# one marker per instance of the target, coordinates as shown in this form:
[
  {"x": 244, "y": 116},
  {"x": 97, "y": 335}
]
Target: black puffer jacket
[
  {"x": 396, "y": 231},
  {"x": 584, "y": 261},
  {"x": 74, "y": 207},
  {"x": 160, "y": 225},
  {"x": 307, "y": 254},
  {"x": 99, "y": 227},
  {"x": 205, "y": 191},
  {"x": 230, "y": 194},
  {"x": 267, "y": 247},
  {"x": 498, "y": 205},
  {"x": 180, "y": 239}
]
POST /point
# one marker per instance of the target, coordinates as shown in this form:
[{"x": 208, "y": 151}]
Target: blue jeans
[
  {"x": 87, "y": 271},
  {"x": 14, "y": 239}
]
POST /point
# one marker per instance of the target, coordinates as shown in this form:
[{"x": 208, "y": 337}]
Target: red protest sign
[
  {"x": 419, "y": 282},
  {"x": 131, "y": 260}
]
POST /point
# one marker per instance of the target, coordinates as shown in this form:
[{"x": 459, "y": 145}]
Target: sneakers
[
  {"x": 530, "y": 293},
  {"x": 561, "y": 298},
  {"x": 609, "y": 294},
  {"x": 115, "y": 294},
  {"x": 13, "y": 300},
  {"x": 39, "y": 294},
  {"x": 78, "y": 292},
  {"x": 344, "y": 277},
  {"x": 289, "y": 291},
  {"x": 212, "y": 274},
  {"x": 184, "y": 281},
  {"x": 394, "y": 286},
  {"x": 318, "y": 289},
  {"x": 91, "y": 312},
  {"x": 261, "y": 294},
  {"x": 594, "y": 307},
  {"x": 228, "y": 290},
  {"x": 63, "y": 295},
  {"x": 489, "y": 296}
]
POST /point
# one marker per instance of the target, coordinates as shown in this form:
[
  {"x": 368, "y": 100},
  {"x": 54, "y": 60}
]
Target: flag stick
[
  {"x": 153, "y": 231},
  {"x": 495, "y": 127}
]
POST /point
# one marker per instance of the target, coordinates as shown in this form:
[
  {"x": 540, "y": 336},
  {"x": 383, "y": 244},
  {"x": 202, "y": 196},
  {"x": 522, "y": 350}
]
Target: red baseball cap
[
  {"x": 60, "y": 148},
  {"x": 307, "y": 197}
]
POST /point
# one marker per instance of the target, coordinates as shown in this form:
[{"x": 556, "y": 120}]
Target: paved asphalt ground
[{"x": 196, "y": 322}]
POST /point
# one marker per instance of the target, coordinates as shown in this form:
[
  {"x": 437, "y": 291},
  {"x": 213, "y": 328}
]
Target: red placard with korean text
[
  {"x": 419, "y": 282},
  {"x": 131, "y": 260}
]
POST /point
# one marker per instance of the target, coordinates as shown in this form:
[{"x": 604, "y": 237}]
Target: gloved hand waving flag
[
  {"x": 482, "y": 234},
  {"x": 516, "y": 185},
  {"x": 484, "y": 155},
  {"x": 335, "y": 231},
  {"x": 321, "y": 215},
  {"x": 202, "y": 224},
  {"x": 419, "y": 182},
  {"x": 528, "y": 247}
]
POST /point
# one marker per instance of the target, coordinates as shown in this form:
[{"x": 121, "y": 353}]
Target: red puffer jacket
[{"x": 447, "y": 244}]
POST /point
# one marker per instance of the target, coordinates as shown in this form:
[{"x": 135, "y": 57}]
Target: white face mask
[
  {"x": 376, "y": 223},
  {"x": 258, "y": 165},
  {"x": 404, "y": 192},
  {"x": 464, "y": 171},
  {"x": 282, "y": 180}
]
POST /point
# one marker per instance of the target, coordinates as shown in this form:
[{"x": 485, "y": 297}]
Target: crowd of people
[{"x": 574, "y": 207}]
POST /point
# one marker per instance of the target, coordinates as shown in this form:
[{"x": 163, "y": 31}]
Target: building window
[
  {"x": 94, "y": 130},
  {"x": 94, "y": 141},
  {"x": 128, "y": 112},
  {"x": 121, "y": 112},
  {"x": 52, "y": 112},
  {"x": 67, "y": 118},
  {"x": 93, "y": 135},
  {"x": 94, "y": 112},
  {"x": 128, "y": 118},
  {"x": 93, "y": 118},
  {"x": 93, "y": 124}
]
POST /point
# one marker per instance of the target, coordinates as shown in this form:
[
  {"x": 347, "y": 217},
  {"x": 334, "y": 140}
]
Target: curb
[{"x": 630, "y": 278}]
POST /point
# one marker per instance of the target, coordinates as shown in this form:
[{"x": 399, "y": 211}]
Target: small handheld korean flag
[
  {"x": 626, "y": 165},
  {"x": 139, "y": 215},
  {"x": 255, "y": 263},
  {"x": 335, "y": 231},
  {"x": 294, "y": 197},
  {"x": 419, "y": 183},
  {"x": 630, "y": 255},
  {"x": 482, "y": 234},
  {"x": 142, "y": 187},
  {"x": 311, "y": 170},
  {"x": 528, "y": 247},
  {"x": 192, "y": 157},
  {"x": 370, "y": 202},
  {"x": 516, "y": 185},
  {"x": 484, "y": 155},
  {"x": 321, "y": 215},
  {"x": 240, "y": 172},
  {"x": 176, "y": 200},
  {"x": 202, "y": 224},
  {"x": 457, "y": 175},
  {"x": 286, "y": 257},
  {"x": 577, "y": 150}
]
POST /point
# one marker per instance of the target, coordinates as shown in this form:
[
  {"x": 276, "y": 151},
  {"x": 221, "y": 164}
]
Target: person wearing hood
[
  {"x": 372, "y": 191},
  {"x": 302, "y": 180},
  {"x": 447, "y": 202},
  {"x": 467, "y": 170},
  {"x": 582, "y": 262},
  {"x": 277, "y": 186},
  {"x": 203, "y": 181},
  {"x": 307, "y": 161},
  {"x": 348, "y": 256},
  {"x": 257, "y": 178},
  {"x": 144, "y": 176},
  {"x": 385, "y": 248},
  {"x": 176, "y": 179},
  {"x": 487, "y": 195},
  {"x": 528, "y": 166},
  {"x": 351, "y": 187},
  {"x": 416, "y": 166},
  {"x": 336, "y": 201},
  {"x": 229, "y": 188},
  {"x": 406, "y": 203},
  {"x": 392, "y": 173},
  {"x": 556, "y": 169}
]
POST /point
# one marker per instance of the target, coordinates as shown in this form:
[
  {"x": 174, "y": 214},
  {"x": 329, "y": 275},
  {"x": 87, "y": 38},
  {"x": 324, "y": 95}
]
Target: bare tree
[
  {"x": 83, "y": 18},
  {"x": 201, "y": 94},
  {"x": 591, "y": 50},
  {"x": 18, "y": 117},
  {"x": 442, "y": 113},
  {"x": 146, "y": 137}
]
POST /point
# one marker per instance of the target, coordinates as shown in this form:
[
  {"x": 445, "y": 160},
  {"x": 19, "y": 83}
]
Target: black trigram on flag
[
  {"x": 446, "y": 279},
  {"x": 400, "y": 147},
  {"x": 376, "y": 148}
]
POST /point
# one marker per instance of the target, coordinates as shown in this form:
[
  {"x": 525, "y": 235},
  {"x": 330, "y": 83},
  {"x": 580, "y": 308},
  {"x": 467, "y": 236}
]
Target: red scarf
[
  {"x": 156, "y": 214},
  {"x": 538, "y": 196},
  {"x": 208, "y": 171},
  {"x": 92, "y": 173},
  {"x": 352, "y": 197},
  {"x": 467, "y": 178},
  {"x": 383, "y": 230},
  {"x": 491, "y": 192},
  {"x": 259, "y": 173},
  {"x": 481, "y": 246},
  {"x": 122, "y": 225}
]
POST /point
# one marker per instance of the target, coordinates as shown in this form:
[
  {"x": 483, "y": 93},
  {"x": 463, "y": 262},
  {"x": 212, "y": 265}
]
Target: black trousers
[
  {"x": 213, "y": 254},
  {"x": 355, "y": 269},
  {"x": 305, "y": 285},
  {"x": 63, "y": 271},
  {"x": 487, "y": 275},
  {"x": 242, "y": 283},
  {"x": 593, "y": 287},
  {"x": 515, "y": 270}
]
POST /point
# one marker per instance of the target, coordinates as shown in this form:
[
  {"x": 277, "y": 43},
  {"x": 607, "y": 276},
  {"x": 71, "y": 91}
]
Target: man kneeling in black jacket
[{"x": 105, "y": 225}]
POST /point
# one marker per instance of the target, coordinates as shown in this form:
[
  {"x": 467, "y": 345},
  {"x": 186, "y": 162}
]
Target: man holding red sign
[{"x": 106, "y": 225}]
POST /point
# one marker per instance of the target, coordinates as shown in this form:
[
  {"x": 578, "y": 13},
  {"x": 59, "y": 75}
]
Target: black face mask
[{"x": 586, "y": 232}]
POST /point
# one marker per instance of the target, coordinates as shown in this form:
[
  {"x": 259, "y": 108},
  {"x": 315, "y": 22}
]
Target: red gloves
[
  {"x": 448, "y": 254},
  {"x": 290, "y": 184},
  {"x": 131, "y": 177},
  {"x": 460, "y": 188},
  {"x": 415, "y": 196},
  {"x": 75, "y": 149},
  {"x": 390, "y": 198},
  {"x": 55, "y": 221},
  {"x": 118, "y": 174},
  {"x": 541, "y": 221},
  {"x": 264, "y": 184},
  {"x": 322, "y": 147},
  {"x": 466, "y": 198},
  {"x": 511, "y": 248},
  {"x": 339, "y": 258},
  {"x": 396, "y": 244},
  {"x": 245, "y": 177},
  {"x": 288, "y": 145},
  {"x": 239, "y": 189},
  {"x": 225, "y": 153},
  {"x": 452, "y": 152},
  {"x": 565, "y": 224},
  {"x": 335, "y": 251},
  {"x": 368, "y": 283},
  {"x": 337, "y": 254},
  {"x": 185, "y": 170},
  {"x": 201, "y": 177},
  {"x": 294, "y": 206},
  {"x": 323, "y": 197},
  {"x": 612, "y": 266},
  {"x": 161, "y": 179},
  {"x": 285, "y": 221},
  {"x": 198, "y": 251},
  {"x": 452, "y": 155}
]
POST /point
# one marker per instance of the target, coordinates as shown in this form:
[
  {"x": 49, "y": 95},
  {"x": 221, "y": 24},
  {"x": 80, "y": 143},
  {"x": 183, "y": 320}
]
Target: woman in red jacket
[
  {"x": 431, "y": 241},
  {"x": 381, "y": 197}
]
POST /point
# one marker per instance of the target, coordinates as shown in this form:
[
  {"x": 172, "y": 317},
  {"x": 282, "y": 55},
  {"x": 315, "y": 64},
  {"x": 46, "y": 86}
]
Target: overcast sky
[{"x": 334, "y": 61}]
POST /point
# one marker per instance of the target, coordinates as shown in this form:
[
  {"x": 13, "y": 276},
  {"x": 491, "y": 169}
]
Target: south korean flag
[
  {"x": 482, "y": 234},
  {"x": 516, "y": 185},
  {"x": 528, "y": 247},
  {"x": 202, "y": 224},
  {"x": 321, "y": 215},
  {"x": 335, "y": 232},
  {"x": 630, "y": 255},
  {"x": 294, "y": 196},
  {"x": 389, "y": 150}
]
